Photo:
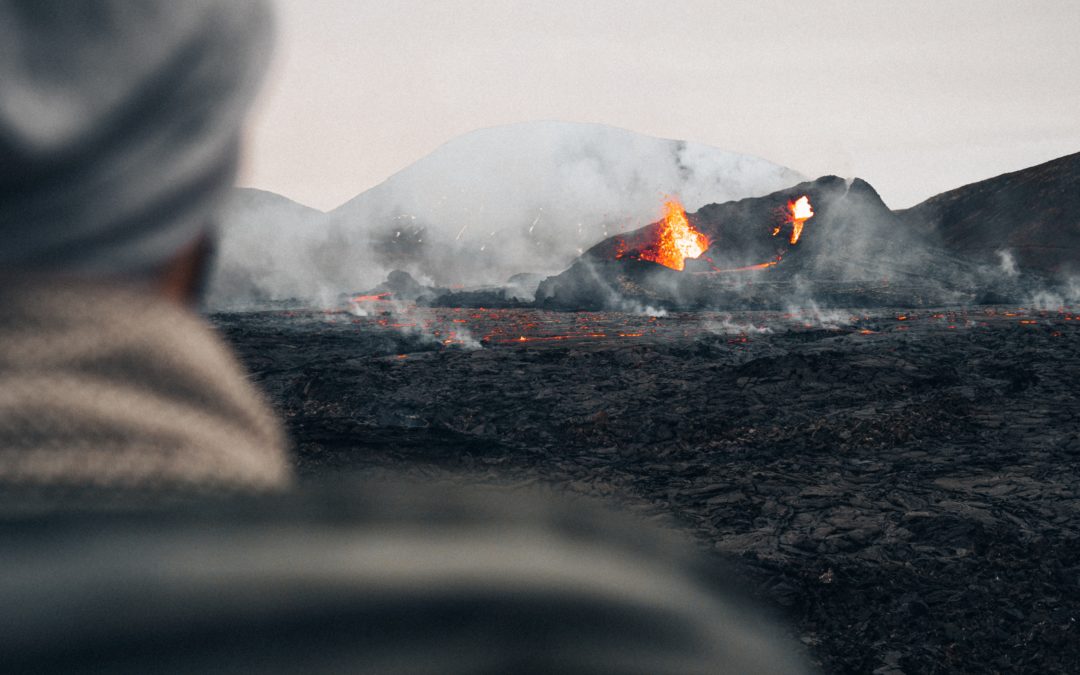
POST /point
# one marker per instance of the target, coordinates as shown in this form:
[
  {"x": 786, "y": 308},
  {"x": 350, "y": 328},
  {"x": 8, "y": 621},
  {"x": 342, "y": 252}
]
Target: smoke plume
[{"x": 524, "y": 198}]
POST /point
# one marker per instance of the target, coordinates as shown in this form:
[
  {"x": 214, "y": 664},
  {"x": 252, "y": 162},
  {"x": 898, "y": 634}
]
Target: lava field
[{"x": 902, "y": 487}]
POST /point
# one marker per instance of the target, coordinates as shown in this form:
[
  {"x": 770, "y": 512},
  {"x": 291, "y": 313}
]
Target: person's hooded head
[{"x": 119, "y": 128}]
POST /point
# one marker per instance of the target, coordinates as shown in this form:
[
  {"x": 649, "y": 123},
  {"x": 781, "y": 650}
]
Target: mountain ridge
[{"x": 1031, "y": 215}]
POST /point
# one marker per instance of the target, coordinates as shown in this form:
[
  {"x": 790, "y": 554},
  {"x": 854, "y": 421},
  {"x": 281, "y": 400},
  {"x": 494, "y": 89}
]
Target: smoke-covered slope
[
  {"x": 529, "y": 198},
  {"x": 267, "y": 249},
  {"x": 1033, "y": 214}
]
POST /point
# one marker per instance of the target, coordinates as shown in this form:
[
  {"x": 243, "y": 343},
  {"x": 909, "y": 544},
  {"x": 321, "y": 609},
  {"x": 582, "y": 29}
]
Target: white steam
[
  {"x": 425, "y": 325},
  {"x": 1065, "y": 295},
  {"x": 728, "y": 325},
  {"x": 810, "y": 314},
  {"x": 1007, "y": 263},
  {"x": 490, "y": 204}
]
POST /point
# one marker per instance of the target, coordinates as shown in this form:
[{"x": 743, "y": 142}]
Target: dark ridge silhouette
[{"x": 1034, "y": 213}]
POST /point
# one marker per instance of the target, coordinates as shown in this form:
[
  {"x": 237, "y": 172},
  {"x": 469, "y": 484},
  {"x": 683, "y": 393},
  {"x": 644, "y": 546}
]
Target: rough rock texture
[{"x": 902, "y": 486}]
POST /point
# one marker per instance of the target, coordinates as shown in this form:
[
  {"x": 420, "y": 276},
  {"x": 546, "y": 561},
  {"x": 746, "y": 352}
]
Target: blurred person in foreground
[{"x": 147, "y": 517}]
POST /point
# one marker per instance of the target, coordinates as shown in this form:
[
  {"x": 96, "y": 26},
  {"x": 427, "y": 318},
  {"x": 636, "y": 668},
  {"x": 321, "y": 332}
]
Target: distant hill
[
  {"x": 267, "y": 249},
  {"x": 247, "y": 206},
  {"x": 1034, "y": 214}
]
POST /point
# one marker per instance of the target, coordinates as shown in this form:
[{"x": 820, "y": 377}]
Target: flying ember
[{"x": 677, "y": 240}]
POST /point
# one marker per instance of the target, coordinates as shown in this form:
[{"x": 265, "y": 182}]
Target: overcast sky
[{"x": 915, "y": 96}]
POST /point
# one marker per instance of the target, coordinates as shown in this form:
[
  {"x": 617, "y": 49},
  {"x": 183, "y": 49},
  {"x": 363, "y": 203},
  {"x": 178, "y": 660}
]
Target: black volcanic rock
[
  {"x": 404, "y": 287},
  {"x": 854, "y": 250},
  {"x": 908, "y": 496},
  {"x": 1034, "y": 213}
]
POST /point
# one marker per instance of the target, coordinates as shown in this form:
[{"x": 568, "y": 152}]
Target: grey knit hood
[{"x": 119, "y": 126}]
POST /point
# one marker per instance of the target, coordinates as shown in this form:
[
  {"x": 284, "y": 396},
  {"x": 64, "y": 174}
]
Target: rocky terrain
[{"x": 900, "y": 485}]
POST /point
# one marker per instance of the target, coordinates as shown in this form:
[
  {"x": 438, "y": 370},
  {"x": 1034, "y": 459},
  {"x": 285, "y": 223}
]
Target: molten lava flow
[
  {"x": 678, "y": 239},
  {"x": 748, "y": 268},
  {"x": 380, "y": 297},
  {"x": 801, "y": 211}
]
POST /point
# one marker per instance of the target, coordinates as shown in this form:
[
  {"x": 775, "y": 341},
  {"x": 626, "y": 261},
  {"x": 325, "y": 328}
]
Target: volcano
[{"x": 826, "y": 236}]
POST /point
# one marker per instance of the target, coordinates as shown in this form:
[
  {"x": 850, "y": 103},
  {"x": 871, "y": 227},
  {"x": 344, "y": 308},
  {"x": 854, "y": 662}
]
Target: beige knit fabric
[{"x": 108, "y": 386}]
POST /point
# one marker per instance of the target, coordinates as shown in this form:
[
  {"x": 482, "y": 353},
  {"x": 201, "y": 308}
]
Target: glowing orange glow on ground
[{"x": 678, "y": 239}]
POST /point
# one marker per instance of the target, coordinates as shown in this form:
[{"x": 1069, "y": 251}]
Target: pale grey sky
[{"x": 915, "y": 96}]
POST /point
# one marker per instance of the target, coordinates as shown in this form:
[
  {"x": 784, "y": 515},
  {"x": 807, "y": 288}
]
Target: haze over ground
[{"x": 917, "y": 98}]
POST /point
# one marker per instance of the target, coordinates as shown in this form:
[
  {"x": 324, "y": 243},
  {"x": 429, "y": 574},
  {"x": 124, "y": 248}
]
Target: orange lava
[
  {"x": 543, "y": 338},
  {"x": 799, "y": 211},
  {"x": 748, "y": 268},
  {"x": 678, "y": 239},
  {"x": 371, "y": 298}
]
